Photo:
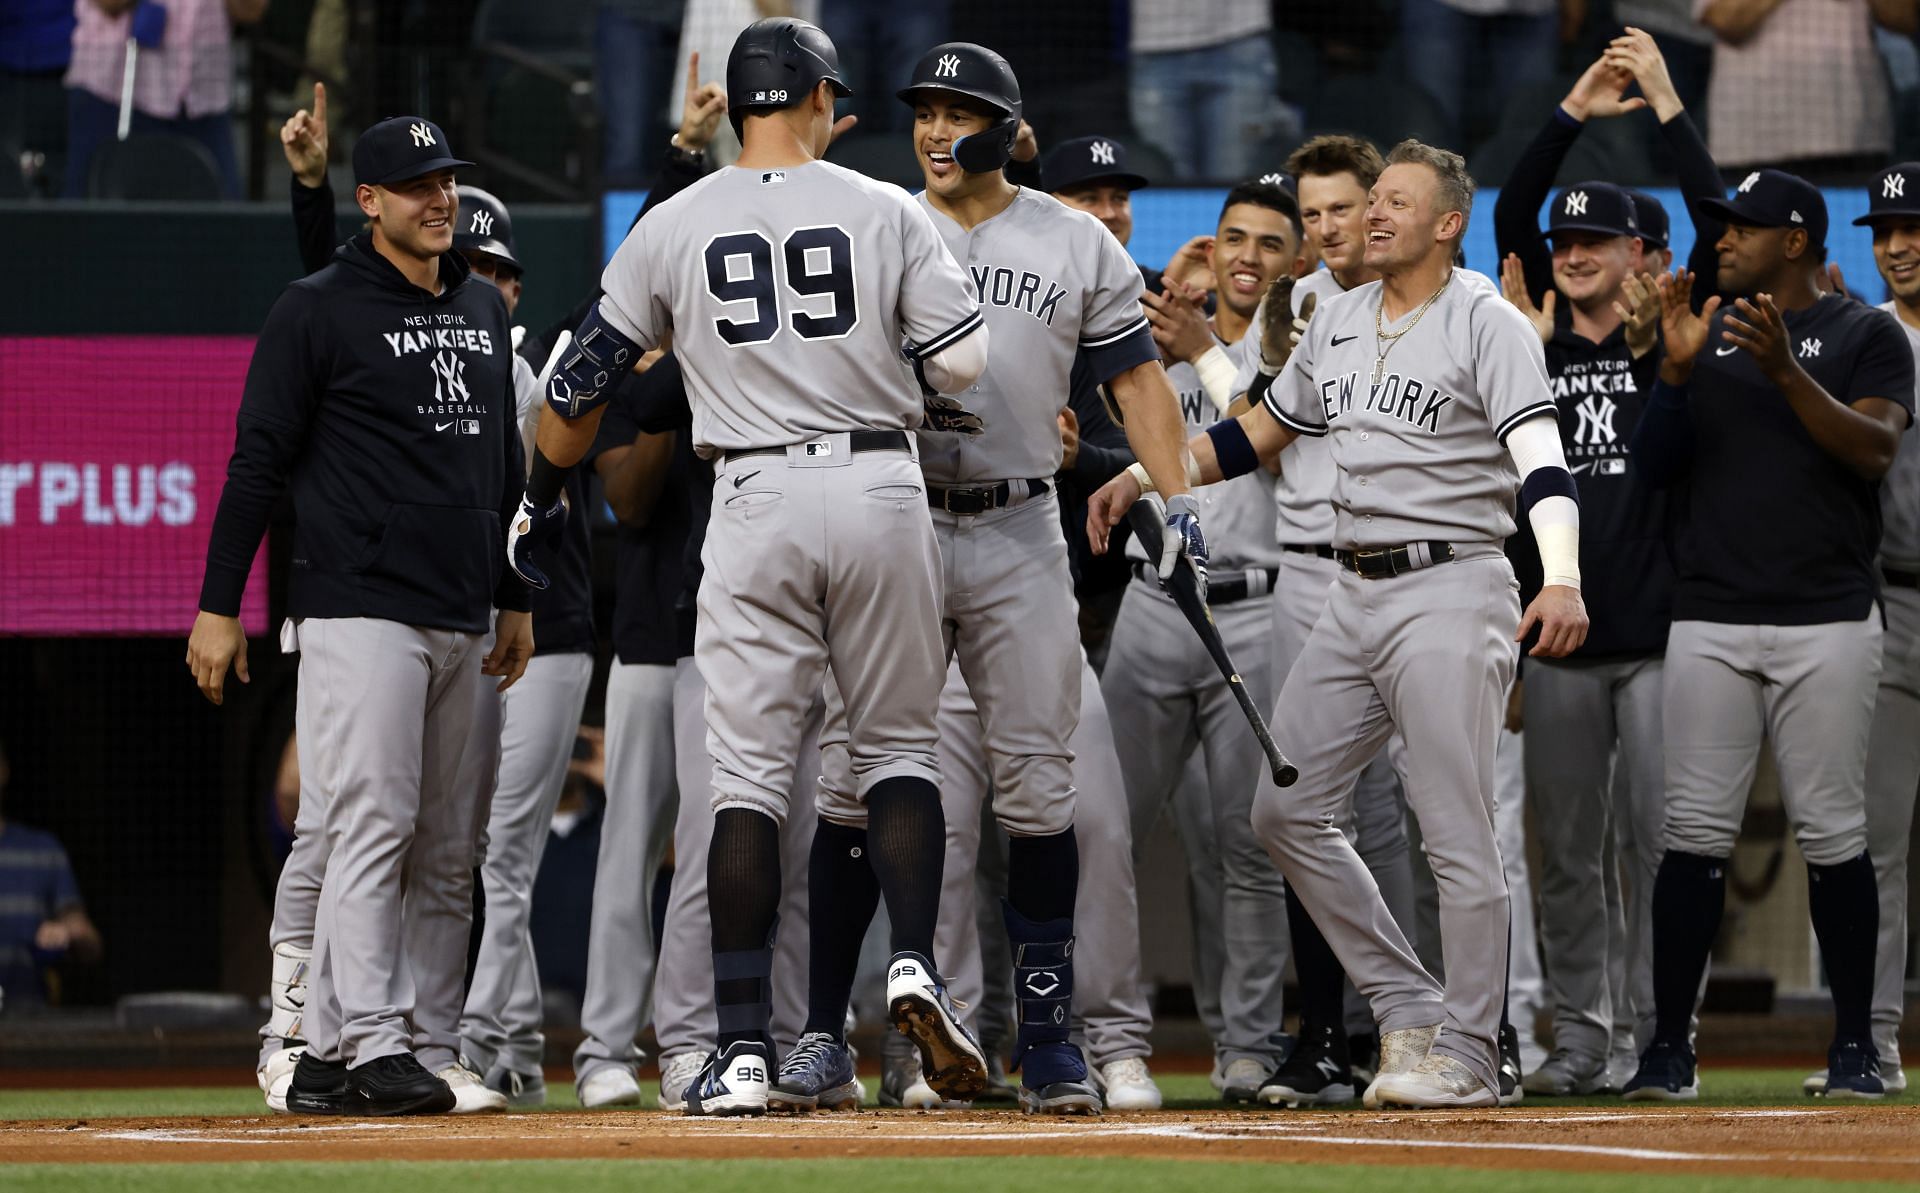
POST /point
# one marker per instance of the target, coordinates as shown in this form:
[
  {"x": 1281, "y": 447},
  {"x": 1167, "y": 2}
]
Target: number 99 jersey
[{"x": 790, "y": 294}]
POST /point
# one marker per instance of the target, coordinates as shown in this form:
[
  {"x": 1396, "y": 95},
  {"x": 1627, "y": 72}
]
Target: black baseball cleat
[
  {"x": 318, "y": 1086},
  {"x": 396, "y": 1085},
  {"x": 1317, "y": 1072}
]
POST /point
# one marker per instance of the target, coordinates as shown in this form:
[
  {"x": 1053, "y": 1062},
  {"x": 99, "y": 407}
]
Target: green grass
[
  {"x": 1184, "y": 1091},
  {"x": 951, "y": 1175}
]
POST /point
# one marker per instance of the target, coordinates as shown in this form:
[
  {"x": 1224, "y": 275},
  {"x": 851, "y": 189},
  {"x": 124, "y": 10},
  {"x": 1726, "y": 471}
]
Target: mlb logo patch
[
  {"x": 773, "y": 177},
  {"x": 469, "y": 426}
]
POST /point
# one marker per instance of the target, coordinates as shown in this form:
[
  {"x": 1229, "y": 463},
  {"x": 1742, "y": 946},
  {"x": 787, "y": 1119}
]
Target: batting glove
[
  {"x": 945, "y": 414},
  {"x": 534, "y": 529},
  {"x": 1183, "y": 541}
]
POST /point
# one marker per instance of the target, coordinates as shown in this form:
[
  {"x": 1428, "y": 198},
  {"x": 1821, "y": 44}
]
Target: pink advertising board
[{"x": 113, "y": 451}]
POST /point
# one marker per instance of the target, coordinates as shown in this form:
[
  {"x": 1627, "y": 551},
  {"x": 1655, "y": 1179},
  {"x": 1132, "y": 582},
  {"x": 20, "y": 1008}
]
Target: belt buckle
[
  {"x": 1365, "y": 555},
  {"x": 969, "y": 495}
]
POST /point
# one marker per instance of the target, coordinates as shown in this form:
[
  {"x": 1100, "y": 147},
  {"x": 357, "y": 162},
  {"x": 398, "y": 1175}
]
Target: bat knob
[{"x": 1286, "y": 774}]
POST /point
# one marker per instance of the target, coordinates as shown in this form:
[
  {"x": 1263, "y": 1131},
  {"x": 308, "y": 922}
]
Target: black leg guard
[{"x": 1053, "y": 1074}]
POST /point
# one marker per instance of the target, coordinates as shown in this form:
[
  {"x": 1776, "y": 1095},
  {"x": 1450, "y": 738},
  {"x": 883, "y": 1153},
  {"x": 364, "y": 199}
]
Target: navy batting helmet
[
  {"x": 776, "y": 63},
  {"x": 484, "y": 227},
  {"x": 979, "y": 73}
]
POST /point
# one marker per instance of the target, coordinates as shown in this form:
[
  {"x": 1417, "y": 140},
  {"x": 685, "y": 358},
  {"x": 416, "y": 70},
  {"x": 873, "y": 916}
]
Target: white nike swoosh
[
  {"x": 441, "y": 426},
  {"x": 1725, "y": 351},
  {"x": 1577, "y": 469}
]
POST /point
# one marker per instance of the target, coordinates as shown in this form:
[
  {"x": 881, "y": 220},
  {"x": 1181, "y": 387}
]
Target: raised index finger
[{"x": 320, "y": 102}]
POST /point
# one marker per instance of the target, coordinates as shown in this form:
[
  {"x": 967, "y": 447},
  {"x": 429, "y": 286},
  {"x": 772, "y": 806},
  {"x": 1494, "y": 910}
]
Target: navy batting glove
[
  {"x": 1184, "y": 540},
  {"x": 534, "y": 529}
]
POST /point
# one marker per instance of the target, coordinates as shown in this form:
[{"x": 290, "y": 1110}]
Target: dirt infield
[{"x": 1866, "y": 1143}]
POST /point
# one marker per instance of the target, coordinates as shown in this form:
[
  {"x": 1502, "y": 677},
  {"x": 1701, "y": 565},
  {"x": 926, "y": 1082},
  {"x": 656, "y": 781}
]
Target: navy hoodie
[{"x": 389, "y": 412}]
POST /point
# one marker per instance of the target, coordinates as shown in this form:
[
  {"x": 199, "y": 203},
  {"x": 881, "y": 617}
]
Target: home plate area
[{"x": 1867, "y": 1143}]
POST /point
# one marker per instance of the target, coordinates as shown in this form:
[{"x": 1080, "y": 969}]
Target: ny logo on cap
[
  {"x": 482, "y": 224},
  {"x": 1102, "y": 153},
  {"x": 1746, "y": 184},
  {"x": 422, "y": 134},
  {"x": 1273, "y": 180},
  {"x": 1809, "y": 347},
  {"x": 948, "y": 67},
  {"x": 1893, "y": 186},
  {"x": 1795, "y": 217},
  {"x": 1576, "y": 203}
]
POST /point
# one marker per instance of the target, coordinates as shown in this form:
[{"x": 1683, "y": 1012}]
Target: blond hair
[{"x": 1455, "y": 192}]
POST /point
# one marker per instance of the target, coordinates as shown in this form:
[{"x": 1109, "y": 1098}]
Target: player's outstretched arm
[{"x": 1264, "y": 438}]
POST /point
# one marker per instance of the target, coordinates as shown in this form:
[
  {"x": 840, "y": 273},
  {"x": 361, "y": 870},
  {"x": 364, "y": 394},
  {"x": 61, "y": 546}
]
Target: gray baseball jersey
[
  {"x": 1051, "y": 280},
  {"x": 1900, "y": 489},
  {"x": 1304, "y": 514},
  {"x": 1238, "y": 514},
  {"x": 1420, "y": 452},
  {"x": 753, "y": 269}
]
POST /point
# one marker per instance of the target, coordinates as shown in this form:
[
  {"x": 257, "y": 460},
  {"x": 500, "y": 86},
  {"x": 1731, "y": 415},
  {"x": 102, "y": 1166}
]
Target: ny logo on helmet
[
  {"x": 1102, "y": 153},
  {"x": 449, "y": 378},
  {"x": 482, "y": 224},
  {"x": 1746, "y": 184},
  {"x": 1576, "y": 203},
  {"x": 948, "y": 67},
  {"x": 422, "y": 134},
  {"x": 1894, "y": 186}
]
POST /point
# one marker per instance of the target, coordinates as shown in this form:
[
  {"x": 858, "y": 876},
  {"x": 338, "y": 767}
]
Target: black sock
[
  {"x": 1043, "y": 875},
  {"x": 1844, "y": 902},
  {"x": 545, "y": 481},
  {"x": 743, "y": 898},
  {"x": 841, "y": 884},
  {"x": 1322, "y": 979},
  {"x": 907, "y": 845},
  {"x": 1688, "y": 897}
]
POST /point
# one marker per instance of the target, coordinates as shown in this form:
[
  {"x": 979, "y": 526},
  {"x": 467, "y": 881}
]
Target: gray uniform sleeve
[
  {"x": 1114, "y": 330},
  {"x": 937, "y": 304},
  {"x": 634, "y": 294},
  {"x": 1293, "y": 399},
  {"x": 1510, "y": 366}
]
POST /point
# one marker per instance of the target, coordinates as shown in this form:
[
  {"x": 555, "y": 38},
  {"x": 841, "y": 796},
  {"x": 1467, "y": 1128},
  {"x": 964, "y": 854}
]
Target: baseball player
[
  {"x": 1050, "y": 282},
  {"x": 484, "y": 237},
  {"x": 1893, "y": 742},
  {"x": 1334, "y": 174},
  {"x": 1161, "y": 686},
  {"x": 391, "y": 601},
  {"x": 1599, "y": 710},
  {"x": 789, "y": 325},
  {"x": 1776, "y": 420},
  {"x": 1434, "y": 396}
]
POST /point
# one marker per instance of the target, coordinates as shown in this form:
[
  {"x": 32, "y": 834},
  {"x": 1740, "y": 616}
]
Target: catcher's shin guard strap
[
  {"x": 745, "y": 965},
  {"x": 1042, "y": 980}
]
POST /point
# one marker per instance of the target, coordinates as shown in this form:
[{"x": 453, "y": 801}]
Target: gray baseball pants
[{"x": 1893, "y": 774}]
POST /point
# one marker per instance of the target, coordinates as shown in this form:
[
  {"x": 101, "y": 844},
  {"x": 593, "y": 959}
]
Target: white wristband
[
  {"x": 1138, "y": 472},
  {"x": 1217, "y": 372}
]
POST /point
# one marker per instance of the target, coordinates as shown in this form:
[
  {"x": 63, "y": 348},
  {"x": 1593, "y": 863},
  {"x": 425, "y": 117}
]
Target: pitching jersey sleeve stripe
[
  {"x": 1133, "y": 328},
  {"x": 1513, "y": 420},
  {"x": 1280, "y": 416},
  {"x": 952, "y": 335}
]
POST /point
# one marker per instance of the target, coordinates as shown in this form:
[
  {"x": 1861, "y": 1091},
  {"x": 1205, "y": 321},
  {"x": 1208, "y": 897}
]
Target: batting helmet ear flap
[{"x": 990, "y": 149}]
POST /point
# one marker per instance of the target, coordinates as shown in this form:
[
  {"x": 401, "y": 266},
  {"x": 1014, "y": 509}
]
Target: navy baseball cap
[
  {"x": 1896, "y": 191},
  {"x": 1774, "y": 199},
  {"x": 1088, "y": 159},
  {"x": 1656, "y": 229},
  {"x": 399, "y": 148},
  {"x": 1598, "y": 207}
]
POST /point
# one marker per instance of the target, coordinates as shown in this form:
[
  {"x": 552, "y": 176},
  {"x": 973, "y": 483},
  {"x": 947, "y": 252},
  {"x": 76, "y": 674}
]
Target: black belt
[
  {"x": 859, "y": 441},
  {"x": 1900, "y": 579},
  {"x": 1223, "y": 588},
  {"x": 1320, "y": 549},
  {"x": 1377, "y": 563},
  {"x": 978, "y": 499}
]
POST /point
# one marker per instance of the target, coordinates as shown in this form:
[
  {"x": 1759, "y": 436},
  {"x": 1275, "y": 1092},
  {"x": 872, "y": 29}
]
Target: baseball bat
[{"x": 1149, "y": 523}]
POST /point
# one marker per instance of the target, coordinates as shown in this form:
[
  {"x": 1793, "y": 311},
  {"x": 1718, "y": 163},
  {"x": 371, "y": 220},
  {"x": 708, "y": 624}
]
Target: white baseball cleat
[
  {"x": 470, "y": 1092},
  {"x": 953, "y": 1065},
  {"x": 1437, "y": 1081},
  {"x": 735, "y": 1082},
  {"x": 277, "y": 1074},
  {"x": 1129, "y": 1085},
  {"x": 676, "y": 1074},
  {"x": 611, "y": 1086},
  {"x": 1400, "y": 1052}
]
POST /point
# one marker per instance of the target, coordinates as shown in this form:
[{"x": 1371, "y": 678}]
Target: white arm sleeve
[
  {"x": 959, "y": 364},
  {"x": 1217, "y": 372},
  {"x": 1535, "y": 444}
]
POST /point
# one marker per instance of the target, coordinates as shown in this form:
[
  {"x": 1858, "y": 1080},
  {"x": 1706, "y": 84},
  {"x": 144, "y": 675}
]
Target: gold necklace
[{"x": 1383, "y": 341}]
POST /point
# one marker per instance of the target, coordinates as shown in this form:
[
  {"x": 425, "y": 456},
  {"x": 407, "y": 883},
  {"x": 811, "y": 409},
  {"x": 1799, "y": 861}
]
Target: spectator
[
  {"x": 1458, "y": 49},
  {"x": 879, "y": 41},
  {"x": 634, "y": 43},
  {"x": 183, "y": 77},
  {"x": 1205, "y": 86},
  {"x": 42, "y": 921},
  {"x": 1798, "y": 84},
  {"x": 36, "y": 42}
]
